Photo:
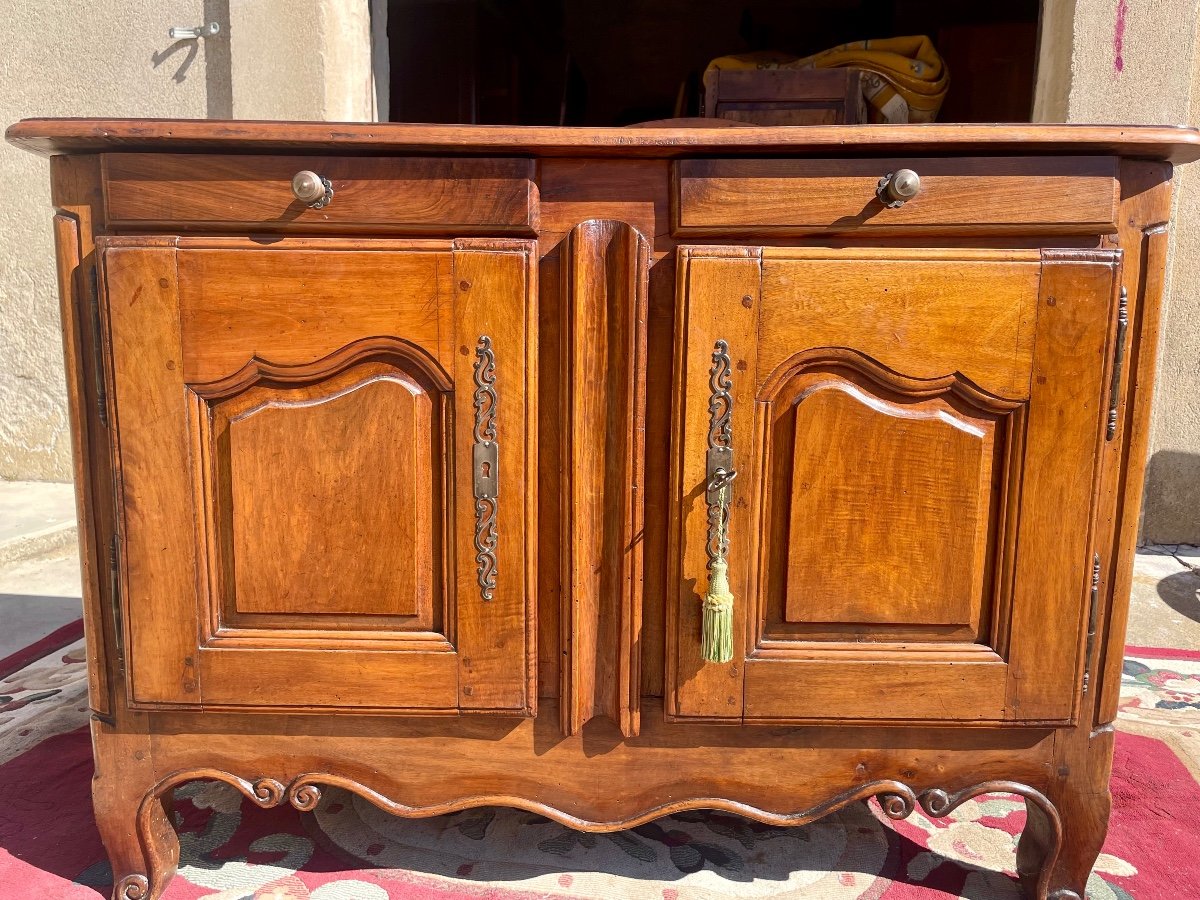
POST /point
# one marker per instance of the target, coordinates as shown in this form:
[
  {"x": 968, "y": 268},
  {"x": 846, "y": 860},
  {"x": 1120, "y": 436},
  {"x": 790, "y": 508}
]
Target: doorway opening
[{"x": 621, "y": 62}]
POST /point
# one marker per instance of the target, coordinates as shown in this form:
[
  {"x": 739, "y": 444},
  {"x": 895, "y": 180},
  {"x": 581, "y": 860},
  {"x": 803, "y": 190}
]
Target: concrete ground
[
  {"x": 39, "y": 575},
  {"x": 39, "y": 562},
  {"x": 37, "y": 518},
  {"x": 1165, "y": 608}
]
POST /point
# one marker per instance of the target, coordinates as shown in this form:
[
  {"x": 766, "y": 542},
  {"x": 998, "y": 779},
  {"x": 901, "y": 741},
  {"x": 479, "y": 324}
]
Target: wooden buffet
[{"x": 405, "y": 456}]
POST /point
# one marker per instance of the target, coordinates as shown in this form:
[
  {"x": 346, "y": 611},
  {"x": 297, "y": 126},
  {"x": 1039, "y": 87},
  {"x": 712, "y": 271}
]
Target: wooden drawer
[
  {"x": 394, "y": 194},
  {"x": 969, "y": 194}
]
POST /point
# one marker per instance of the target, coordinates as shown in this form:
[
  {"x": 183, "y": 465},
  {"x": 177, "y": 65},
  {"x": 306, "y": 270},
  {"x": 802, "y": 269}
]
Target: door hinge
[
  {"x": 1093, "y": 613},
  {"x": 97, "y": 345},
  {"x": 114, "y": 589},
  {"x": 1114, "y": 396}
]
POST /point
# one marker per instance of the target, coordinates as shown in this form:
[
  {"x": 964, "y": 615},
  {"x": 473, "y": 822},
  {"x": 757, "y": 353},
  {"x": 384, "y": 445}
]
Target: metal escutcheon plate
[
  {"x": 487, "y": 470},
  {"x": 717, "y": 458}
]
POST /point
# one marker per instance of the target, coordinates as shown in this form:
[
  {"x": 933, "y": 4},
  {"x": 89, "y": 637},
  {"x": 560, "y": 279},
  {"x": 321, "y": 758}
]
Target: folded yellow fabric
[{"x": 905, "y": 80}]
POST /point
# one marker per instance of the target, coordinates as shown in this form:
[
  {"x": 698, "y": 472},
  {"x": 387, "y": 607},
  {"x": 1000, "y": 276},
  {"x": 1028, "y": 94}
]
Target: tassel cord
[{"x": 717, "y": 627}]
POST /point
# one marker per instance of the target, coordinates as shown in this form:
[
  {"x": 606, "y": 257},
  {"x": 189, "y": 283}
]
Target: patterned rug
[{"x": 349, "y": 850}]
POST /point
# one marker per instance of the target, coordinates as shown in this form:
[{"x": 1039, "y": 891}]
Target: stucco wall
[
  {"x": 307, "y": 59},
  {"x": 1056, "y": 31},
  {"x": 1139, "y": 62},
  {"x": 82, "y": 59},
  {"x": 301, "y": 59}
]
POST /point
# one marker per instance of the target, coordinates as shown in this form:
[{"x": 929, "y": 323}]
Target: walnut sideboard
[{"x": 608, "y": 473}]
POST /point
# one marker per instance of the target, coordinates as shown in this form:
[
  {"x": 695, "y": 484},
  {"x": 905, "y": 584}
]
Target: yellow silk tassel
[{"x": 717, "y": 631}]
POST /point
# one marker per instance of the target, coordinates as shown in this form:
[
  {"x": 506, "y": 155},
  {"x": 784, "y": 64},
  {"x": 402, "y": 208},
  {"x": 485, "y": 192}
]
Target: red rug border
[
  {"x": 1161, "y": 653},
  {"x": 25, "y": 850},
  {"x": 55, "y": 640}
]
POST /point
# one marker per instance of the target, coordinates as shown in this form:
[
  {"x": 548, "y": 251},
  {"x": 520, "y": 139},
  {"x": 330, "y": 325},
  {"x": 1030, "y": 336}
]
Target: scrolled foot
[
  {"x": 143, "y": 849},
  {"x": 132, "y": 887}
]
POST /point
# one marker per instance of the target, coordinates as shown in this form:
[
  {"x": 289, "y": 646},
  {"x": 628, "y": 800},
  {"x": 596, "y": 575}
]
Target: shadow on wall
[
  {"x": 218, "y": 63},
  {"x": 192, "y": 48},
  {"x": 218, "y": 68},
  {"x": 1171, "y": 510}
]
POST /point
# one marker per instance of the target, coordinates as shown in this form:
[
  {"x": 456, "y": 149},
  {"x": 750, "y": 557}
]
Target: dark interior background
[{"x": 616, "y": 62}]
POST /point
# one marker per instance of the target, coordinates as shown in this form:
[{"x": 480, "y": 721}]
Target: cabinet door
[
  {"x": 324, "y": 451},
  {"x": 914, "y": 435}
]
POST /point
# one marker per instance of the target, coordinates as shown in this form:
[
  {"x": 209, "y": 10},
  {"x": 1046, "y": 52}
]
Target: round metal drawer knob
[
  {"x": 311, "y": 189},
  {"x": 897, "y": 188}
]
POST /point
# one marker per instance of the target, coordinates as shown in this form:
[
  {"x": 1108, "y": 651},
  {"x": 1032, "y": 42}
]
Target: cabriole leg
[
  {"x": 141, "y": 843},
  {"x": 1084, "y": 824},
  {"x": 1083, "y": 802}
]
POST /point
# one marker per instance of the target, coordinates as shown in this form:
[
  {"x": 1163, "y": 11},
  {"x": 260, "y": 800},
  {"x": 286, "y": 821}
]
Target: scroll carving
[
  {"x": 265, "y": 793},
  {"x": 896, "y": 799},
  {"x": 486, "y": 459}
]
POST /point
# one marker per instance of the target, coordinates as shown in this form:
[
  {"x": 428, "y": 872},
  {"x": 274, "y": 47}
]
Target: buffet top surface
[{"x": 82, "y": 135}]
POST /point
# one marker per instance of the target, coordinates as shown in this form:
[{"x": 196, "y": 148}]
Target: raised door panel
[
  {"x": 305, "y": 528},
  {"x": 298, "y": 518},
  {"x": 932, "y": 467},
  {"x": 899, "y": 547},
  {"x": 326, "y": 497}
]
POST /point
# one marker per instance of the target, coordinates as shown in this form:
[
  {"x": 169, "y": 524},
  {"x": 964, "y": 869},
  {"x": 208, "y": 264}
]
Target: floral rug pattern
[
  {"x": 1161, "y": 698},
  {"x": 46, "y": 698},
  {"x": 347, "y": 849}
]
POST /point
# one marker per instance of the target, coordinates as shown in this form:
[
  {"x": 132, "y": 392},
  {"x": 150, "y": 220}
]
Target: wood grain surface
[
  {"x": 605, "y": 280},
  {"x": 50, "y": 136},
  {"x": 278, "y": 594},
  {"x": 442, "y": 196},
  {"x": 804, "y": 196},
  {"x": 927, "y": 511}
]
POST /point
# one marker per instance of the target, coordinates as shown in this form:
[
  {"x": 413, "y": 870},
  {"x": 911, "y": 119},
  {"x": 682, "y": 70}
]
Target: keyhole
[{"x": 485, "y": 470}]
